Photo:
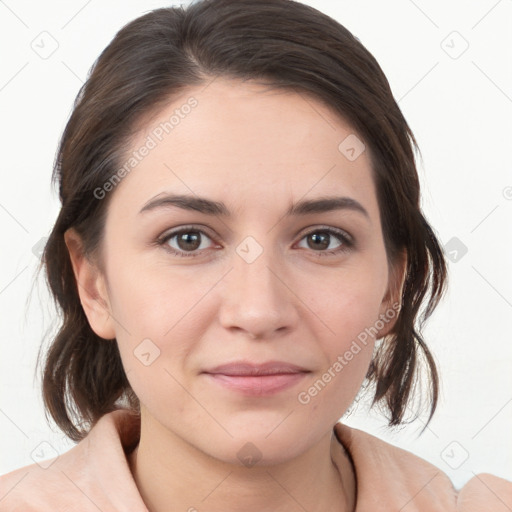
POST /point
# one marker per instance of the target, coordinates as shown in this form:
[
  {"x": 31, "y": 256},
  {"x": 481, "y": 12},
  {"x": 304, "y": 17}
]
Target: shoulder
[
  {"x": 390, "y": 478},
  {"x": 486, "y": 492},
  {"x": 36, "y": 486},
  {"x": 92, "y": 475}
]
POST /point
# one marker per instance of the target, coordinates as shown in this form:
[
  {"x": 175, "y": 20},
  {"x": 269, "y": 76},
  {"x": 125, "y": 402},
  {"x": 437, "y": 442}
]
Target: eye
[
  {"x": 186, "y": 242},
  {"x": 327, "y": 241},
  {"x": 189, "y": 242}
]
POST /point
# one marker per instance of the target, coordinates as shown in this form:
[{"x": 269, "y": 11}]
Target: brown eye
[
  {"x": 327, "y": 241},
  {"x": 319, "y": 240},
  {"x": 189, "y": 241},
  {"x": 186, "y": 242}
]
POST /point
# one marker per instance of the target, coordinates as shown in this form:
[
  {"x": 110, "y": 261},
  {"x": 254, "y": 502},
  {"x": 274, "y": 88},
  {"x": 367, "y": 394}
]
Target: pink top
[{"x": 94, "y": 475}]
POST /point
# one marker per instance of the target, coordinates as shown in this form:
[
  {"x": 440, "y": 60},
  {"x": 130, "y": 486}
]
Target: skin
[{"x": 258, "y": 151}]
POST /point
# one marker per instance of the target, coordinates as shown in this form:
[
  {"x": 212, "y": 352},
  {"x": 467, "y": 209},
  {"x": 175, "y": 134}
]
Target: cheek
[
  {"x": 348, "y": 308},
  {"x": 349, "y": 304},
  {"x": 153, "y": 301},
  {"x": 159, "y": 319},
  {"x": 347, "y": 353}
]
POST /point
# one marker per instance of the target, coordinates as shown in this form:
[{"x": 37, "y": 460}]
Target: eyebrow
[{"x": 210, "y": 207}]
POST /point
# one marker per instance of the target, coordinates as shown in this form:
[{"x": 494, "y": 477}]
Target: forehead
[{"x": 242, "y": 142}]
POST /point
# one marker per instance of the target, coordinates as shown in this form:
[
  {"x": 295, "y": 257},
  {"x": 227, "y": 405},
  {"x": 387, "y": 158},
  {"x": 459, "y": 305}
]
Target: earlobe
[{"x": 91, "y": 287}]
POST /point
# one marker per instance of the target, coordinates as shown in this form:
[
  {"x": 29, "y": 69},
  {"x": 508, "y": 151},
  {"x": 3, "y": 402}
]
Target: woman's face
[{"x": 246, "y": 281}]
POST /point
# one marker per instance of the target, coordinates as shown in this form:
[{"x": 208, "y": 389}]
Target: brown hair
[{"x": 290, "y": 46}]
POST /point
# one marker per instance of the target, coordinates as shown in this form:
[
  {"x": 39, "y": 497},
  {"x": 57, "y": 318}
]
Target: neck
[{"x": 172, "y": 474}]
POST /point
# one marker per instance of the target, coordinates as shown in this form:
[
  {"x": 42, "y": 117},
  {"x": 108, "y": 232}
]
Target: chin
[
  {"x": 259, "y": 452},
  {"x": 261, "y": 441}
]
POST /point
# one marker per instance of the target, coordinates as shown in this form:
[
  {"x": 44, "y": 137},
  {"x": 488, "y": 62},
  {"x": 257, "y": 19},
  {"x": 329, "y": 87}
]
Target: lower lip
[{"x": 258, "y": 385}]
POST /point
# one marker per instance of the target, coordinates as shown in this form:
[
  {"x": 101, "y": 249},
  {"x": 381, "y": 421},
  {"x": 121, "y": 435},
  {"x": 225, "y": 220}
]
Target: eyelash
[{"x": 347, "y": 242}]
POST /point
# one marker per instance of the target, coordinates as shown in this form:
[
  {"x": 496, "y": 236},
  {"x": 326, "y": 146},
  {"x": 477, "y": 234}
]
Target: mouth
[{"x": 257, "y": 379}]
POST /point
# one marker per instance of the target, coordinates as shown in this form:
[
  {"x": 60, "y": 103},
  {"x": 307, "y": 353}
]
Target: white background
[{"x": 459, "y": 106}]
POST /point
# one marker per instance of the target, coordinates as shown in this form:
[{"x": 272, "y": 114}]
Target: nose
[{"x": 257, "y": 300}]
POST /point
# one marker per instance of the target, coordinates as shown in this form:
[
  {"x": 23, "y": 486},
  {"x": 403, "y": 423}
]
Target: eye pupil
[
  {"x": 191, "y": 239},
  {"x": 323, "y": 238}
]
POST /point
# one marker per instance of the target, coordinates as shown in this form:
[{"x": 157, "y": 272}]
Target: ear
[
  {"x": 91, "y": 286},
  {"x": 392, "y": 301}
]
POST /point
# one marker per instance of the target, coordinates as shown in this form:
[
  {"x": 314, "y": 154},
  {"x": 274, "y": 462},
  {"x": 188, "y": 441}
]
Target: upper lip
[{"x": 248, "y": 368}]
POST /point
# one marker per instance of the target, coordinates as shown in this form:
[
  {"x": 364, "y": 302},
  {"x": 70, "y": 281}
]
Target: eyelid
[{"x": 187, "y": 227}]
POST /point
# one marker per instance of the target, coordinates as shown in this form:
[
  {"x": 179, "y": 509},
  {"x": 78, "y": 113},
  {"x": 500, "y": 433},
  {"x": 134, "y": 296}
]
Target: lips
[
  {"x": 243, "y": 368},
  {"x": 257, "y": 379}
]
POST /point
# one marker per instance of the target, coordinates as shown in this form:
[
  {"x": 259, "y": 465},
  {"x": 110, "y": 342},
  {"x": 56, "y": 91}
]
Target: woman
[{"x": 240, "y": 247}]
